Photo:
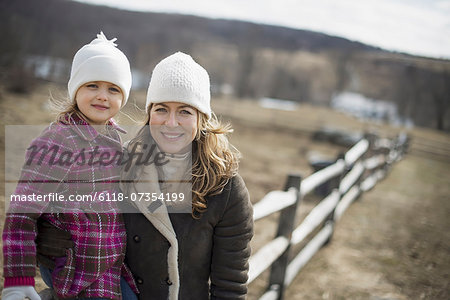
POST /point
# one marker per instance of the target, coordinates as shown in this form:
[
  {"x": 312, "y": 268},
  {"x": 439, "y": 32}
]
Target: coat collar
[{"x": 85, "y": 130}]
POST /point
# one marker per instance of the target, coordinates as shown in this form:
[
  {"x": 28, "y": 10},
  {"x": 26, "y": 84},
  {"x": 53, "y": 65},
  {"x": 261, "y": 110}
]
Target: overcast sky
[{"x": 420, "y": 27}]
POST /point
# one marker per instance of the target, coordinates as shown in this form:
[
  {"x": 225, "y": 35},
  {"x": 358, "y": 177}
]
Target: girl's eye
[
  {"x": 184, "y": 111},
  {"x": 160, "y": 109},
  {"x": 114, "y": 90},
  {"x": 91, "y": 85}
]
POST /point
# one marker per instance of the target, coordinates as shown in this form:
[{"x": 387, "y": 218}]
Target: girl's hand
[{"x": 20, "y": 292}]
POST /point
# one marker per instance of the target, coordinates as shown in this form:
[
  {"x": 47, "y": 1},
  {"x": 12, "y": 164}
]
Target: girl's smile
[{"x": 100, "y": 107}]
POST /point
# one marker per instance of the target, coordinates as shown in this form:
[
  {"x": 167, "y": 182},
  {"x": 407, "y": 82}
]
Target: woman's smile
[{"x": 172, "y": 135}]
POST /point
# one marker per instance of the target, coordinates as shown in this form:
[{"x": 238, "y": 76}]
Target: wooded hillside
[{"x": 244, "y": 59}]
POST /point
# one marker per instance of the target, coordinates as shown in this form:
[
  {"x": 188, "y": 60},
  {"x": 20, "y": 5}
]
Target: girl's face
[
  {"x": 99, "y": 101},
  {"x": 173, "y": 126}
]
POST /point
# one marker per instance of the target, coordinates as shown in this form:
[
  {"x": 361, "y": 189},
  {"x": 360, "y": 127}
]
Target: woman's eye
[
  {"x": 184, "y": 111},
  {"x": 160, "y": 109}
]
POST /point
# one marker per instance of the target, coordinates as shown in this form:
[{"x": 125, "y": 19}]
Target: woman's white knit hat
[
  {"x": 178, "y": 78},
  {"x": 100, "y": 60}
]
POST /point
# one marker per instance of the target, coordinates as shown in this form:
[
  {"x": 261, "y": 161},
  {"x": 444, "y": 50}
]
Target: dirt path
[{"x": 394, "y": 243}]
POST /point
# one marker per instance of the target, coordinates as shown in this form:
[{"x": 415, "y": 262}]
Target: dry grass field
[{"x": 394, "y": 243}]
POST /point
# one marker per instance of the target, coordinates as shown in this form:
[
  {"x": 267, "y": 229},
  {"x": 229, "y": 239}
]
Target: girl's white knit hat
[
  {"x": 100, "y": 60},
  {"x": 178, "y": 78}
]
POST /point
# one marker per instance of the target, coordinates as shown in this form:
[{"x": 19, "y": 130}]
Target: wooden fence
[{"x": 356, "y": 171}]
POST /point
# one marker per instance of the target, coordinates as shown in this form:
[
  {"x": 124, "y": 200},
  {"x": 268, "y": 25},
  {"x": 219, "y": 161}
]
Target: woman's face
[{"x": 173, "y": 126}]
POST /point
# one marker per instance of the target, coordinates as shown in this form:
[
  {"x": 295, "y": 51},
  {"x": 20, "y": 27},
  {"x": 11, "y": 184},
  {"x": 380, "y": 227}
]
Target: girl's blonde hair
[
  {"x": 64, "y": 109},
  {"x": 214, "y": 159}
]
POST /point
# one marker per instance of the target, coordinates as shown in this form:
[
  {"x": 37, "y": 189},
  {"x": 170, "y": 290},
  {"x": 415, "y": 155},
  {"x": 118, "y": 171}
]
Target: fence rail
[{"x": 357, "y": 171}]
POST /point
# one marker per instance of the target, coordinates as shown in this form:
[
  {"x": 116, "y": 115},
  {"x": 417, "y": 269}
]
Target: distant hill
[
  {"x": 244, "y": 59},
  {"x": 56, "y": 26}
]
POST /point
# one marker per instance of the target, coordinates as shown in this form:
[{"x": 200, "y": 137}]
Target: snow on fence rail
[{"x": 358, "y": 171}]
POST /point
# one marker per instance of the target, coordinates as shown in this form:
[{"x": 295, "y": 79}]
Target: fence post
[
  {"x": 370, "y": 137},
  {"x": 330, "y": 219},
  {"x": 285, "y": 227}
]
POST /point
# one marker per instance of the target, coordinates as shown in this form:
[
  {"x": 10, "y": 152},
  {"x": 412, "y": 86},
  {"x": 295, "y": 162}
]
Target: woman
[{"x": 202, "y": 254}]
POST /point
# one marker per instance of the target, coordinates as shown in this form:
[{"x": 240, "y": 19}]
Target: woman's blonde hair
[{"x": 214, "y": 159}]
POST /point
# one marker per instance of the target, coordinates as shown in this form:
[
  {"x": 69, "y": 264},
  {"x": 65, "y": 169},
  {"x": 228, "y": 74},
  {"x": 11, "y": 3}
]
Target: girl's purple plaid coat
[{"x": 94, "y": 267}]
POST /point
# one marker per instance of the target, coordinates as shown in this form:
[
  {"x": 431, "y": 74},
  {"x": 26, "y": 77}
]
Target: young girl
[{"x": 74, "y": 165}]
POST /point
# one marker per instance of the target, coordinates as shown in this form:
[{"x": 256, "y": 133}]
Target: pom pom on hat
[
  {"x": 100, "y": 60},
  {"x": 178, "y": 78}
]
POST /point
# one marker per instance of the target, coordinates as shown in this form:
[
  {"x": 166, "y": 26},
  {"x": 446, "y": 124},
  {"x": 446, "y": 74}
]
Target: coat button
[
  {"x": 139, "y": 280},
  {"x": 168, "y": 281},
  {"x": 137, "y": 238}
]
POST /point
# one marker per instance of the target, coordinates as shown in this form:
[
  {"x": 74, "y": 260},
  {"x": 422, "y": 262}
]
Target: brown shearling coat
[{"x": 213, "y": 251}]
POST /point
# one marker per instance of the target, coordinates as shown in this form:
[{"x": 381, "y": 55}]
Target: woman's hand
[{"x": 51, "y": 242}]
